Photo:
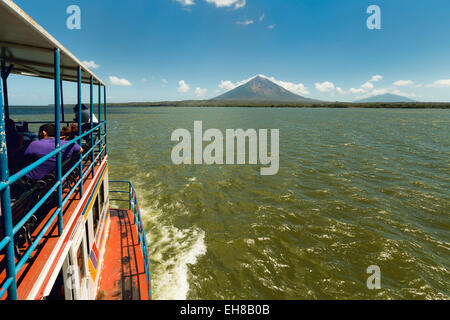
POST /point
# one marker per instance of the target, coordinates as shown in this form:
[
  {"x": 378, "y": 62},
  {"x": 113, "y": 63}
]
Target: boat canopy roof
[{"x": 30, "y": 48}]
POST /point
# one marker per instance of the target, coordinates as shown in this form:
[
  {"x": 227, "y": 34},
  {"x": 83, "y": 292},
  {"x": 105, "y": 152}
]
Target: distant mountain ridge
[
  {"x": 388, "y": 97},
  {"x": 262, "y": 89}
]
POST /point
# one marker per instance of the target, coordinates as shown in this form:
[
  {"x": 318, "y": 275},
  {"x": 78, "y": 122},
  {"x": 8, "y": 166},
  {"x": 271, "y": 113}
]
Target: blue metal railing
[
  {"x": 9, "y": 229},
  {"x": 133, "y": 205},
  {"x": 58, "y": 213},
  {"x": 6, "y": 218}
]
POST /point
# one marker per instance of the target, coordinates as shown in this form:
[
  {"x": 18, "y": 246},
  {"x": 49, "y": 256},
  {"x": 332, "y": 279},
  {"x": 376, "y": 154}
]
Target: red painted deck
[
  {"x": 122, "y": 276},
  {"x": 32, "y": 269}
]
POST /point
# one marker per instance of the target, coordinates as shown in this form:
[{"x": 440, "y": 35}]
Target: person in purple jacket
[
  {"x": 39, "y": 149},
  {"x": 44, "y": 146}
]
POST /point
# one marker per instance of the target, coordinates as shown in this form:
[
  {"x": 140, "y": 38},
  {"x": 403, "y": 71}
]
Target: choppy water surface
[{"x": 356, "y": 187}]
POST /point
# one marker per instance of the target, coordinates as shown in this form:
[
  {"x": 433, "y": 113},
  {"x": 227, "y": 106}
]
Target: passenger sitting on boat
[
  {"x": 37, "y": 150},
  {"x": 14, "y": 143},
  {"x": 44, "y": 146},
  {"x": 67, "y": 134},
  {"x": 74, "y": 129},
  {"x": 85, "y": 119},
  {"x": 85, "y": 114}
]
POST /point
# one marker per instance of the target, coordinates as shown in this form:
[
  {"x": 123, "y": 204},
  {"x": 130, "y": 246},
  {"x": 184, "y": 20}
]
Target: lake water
[{"x": 356, "y": 187}]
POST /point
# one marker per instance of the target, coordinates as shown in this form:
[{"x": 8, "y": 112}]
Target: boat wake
[{"x": 172, "y": 250}]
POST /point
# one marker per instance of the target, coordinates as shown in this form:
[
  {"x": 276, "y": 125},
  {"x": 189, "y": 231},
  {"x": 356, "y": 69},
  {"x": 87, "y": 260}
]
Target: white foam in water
[
  {"x": 172, "y": 251},
  {"x": 175, "y": 251}
]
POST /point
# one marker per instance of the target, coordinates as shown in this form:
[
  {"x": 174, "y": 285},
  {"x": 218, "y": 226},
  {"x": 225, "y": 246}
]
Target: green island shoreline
[{"x": 277, "y": 104}]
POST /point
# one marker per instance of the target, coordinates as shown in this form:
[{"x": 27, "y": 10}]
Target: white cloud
[
  {"x": 184, "y": 87},
  {"x": 378, "y": 92},
  {"x": 271, "y": 26},
  {"x": 90, "y": 64},
  {"x": 367, "y": 86},
  {"x": 245, "y": 23},
  {"x": 261, "y": 18},
  {"x": 368, "y": 89},
  {"x": 328, "y": 86},
  {"x": 403, "y": 83},
  {"x": 119, "y": 82},
  {"x": 227, "y": 85},
  {"x": 325, "y": 86},
  {"x": 199, "y": 92},
  {"x": 144, "y": 80},
  {"x": 339, "y": 90},
  {"x": 355, "y": 91},
  {"x": 228, "y": 3},
  {"x": 404, "y": 94},
  {"x": 240, "y": 4},
  {"x": 186, "y": 2},
  {"x": 164, "y": 82},
  {"x": 440, "y": 84},
  {"x": 376, "y": 78},
  {"x": 298, "y": 88},
  {"x": 237, "y": 4}
]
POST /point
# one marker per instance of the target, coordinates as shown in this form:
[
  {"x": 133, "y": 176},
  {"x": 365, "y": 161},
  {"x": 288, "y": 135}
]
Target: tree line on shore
[{"x": 277, "y": 104}]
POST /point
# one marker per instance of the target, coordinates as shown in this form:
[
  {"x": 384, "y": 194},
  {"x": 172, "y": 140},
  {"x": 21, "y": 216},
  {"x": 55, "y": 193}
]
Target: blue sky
[{"x": 153, "y": 50}]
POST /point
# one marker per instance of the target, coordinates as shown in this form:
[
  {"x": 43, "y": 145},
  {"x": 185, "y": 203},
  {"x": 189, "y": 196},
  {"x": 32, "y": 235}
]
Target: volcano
[{"x": 262, "y": 89}]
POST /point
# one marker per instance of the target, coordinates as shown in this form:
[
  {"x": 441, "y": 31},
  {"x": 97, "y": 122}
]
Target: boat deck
[{"x": 122, "y": 277}]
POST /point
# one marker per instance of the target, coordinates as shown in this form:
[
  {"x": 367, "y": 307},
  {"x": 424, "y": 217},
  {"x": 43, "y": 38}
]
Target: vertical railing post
[
  {"x": 99, "y": 117},
  {"x": 58, "y": 136},
  {"x": 80, "y": 124},
  {"x": 62, "y": 102},
  {"x": 129, "y": 196},
  {"x": 5, "y": 74},
  {"x": 105, "y": 117},
  {"x": 6, "y": 216},
  {"x": 138, "y": 217},
  {"x": 92, "y": 123}
]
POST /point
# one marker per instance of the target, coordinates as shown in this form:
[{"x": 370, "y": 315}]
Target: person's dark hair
[
  {"x": 83, "y": 107},
  {"x": 49, "y": 128}
]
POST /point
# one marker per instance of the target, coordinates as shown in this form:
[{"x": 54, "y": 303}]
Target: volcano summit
[{"x": 262, "y": 89}]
